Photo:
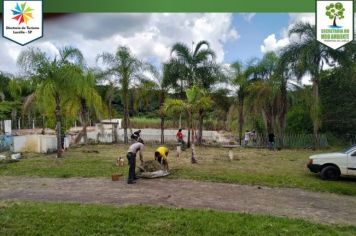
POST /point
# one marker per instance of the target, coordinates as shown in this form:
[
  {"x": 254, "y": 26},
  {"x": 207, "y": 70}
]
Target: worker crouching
[{"x": 161, "y": 155}]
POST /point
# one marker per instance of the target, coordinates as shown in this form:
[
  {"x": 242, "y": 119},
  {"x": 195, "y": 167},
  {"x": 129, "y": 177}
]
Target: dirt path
[{"x": 319, "y": 207}]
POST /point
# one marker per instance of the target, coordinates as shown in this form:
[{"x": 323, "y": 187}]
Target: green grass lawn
[
  {"x": 29, "y": 218},
  {"x": 286, "y": 168}
]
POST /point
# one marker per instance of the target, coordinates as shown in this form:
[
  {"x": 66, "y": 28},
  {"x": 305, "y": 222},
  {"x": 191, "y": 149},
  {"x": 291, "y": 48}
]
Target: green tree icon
[{"x": 334, "y": 11}]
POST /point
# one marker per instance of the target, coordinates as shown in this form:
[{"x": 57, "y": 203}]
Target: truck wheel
[{"x": 330, "y": 173}]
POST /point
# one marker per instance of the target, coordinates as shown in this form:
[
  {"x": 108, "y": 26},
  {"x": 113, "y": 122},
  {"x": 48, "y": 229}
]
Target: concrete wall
[
  {"x": 170, "y": 135},
  {"x": 35, "y": 143},
  {"x": 5, "y": 142},
  {"x": 104, "y": 134},
  {"x": 48, "y": 143}
]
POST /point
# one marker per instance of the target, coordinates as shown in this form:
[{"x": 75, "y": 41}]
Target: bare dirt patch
[{"x": 295, "y": 203}]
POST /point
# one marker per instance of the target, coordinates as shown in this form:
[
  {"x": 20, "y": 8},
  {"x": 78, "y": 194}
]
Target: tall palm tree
[
  {"x": 194, "y": 60},
  {"x": 198, "y": 65},
  {"x": 54, "y": 77},
  {"x": 196, "y": 99},
  {"x": 125, "y": 67},
  {"x": 241, "y": 80},
  {"x": 308, "y": 56},
  {"x": 268, "y": 92},
  {"x": 262, "y": 96},
  {"x": 163, "y": 83}
]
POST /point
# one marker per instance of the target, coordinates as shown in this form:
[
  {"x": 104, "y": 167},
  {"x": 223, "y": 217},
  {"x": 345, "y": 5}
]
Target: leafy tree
[
  {"x": 87, "y": 98},
  {"x": 338, "y": 93},
  {"x": 23, "y": 91},
  {"x": 241, "y": 80},
  {"x": 10, "y": 99},
  {"x": 125, "y": 68},
  {"x": 195, "y": 61},
  {"x": 196, "y": 99},
  {"x": 266, "y": 92},
  {"x": 54, "y": 77},
  {"x": 308, "y": 56},
  {"x": 335, "y": 11},
  {"x": 198, "y": 69},
  {"x": 162, "y": 83},
  {"x": 298, "y": 117}
]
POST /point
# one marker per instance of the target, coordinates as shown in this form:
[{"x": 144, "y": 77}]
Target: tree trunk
[
  {"x": 193, "y": 160},
  {"x": 188, "y": 141},
  {"x": 84, "y": 119},
  {"x": 114, "y": 132},
  {"x": 180, "y": 120},
  {"x": 58, "y": 126},
  {"x": 43, "y": 125},
  {"x": 334, "y": 23},
  {"x": 2, "y": 126},
  {"x": 268, "y": 120},
  {"x": 162, "y": 129},
  {"x": 201, "y": 122},
  {"x": 126, "y": 121},
  {"x": 162, "y": 98},
  {"x": 110, "y": 109},
  {"x": 283, "y": 109},
  {"x": 125, "y": 92},
  {"x": 316, "y": 112},
  {"x": 241, "y": 118}
]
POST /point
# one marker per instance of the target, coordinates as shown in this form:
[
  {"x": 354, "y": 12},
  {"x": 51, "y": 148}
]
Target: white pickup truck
[{"x": 332, "y": 165}]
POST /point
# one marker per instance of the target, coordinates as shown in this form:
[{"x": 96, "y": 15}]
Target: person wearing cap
[
  {"x": 161, "y": 155},
  {"x": 138, "y": 133},
  {"x": 137, "y": 146}
]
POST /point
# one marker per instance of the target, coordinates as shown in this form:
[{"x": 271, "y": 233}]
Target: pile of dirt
[{"x": 150, "y": 166}]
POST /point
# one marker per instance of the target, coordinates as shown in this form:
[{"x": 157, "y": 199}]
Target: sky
[{"x": 150, "y": 36}]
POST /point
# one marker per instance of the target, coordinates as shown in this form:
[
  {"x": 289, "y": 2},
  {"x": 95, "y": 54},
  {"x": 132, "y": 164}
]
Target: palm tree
[
  {"x": 262, "y": 96},
  {"x": 196, "y": 99},
  {"x": 163, "y": 84},
  {"x": 194, "y": 60},
  {"x": 54, "y": 77},
  {"x": 87, "y": 98},
  {"x": 308, "y": 56},
  {"x": 125, "y": 67},
  {"x": 241, "y": 80},
  {"x": 267, "y": 91},
  {"x": 198, "y": 66}
]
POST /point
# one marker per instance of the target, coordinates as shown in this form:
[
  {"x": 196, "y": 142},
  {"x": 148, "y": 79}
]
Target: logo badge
[
  {"x": 334, "y": 23},
  {"x": 22, "y": 21}
]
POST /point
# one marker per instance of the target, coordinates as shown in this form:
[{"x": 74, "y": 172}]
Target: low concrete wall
[
  {"x": 170, "y": 135},
  {"x": 105, "y": 135},
  {"x": 35, "y": 143}
]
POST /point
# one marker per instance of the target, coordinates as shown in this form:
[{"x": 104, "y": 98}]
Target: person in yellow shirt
[{"x": 161, "y": 155}]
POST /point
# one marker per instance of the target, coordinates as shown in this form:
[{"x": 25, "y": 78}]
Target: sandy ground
[{"x": 294, "y": 203}]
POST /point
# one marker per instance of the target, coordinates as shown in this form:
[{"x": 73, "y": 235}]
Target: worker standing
[
  {"x": 137, "y": 146},
  {"x": 180, "y": 139},
  {"x": 161, "y": 155}
]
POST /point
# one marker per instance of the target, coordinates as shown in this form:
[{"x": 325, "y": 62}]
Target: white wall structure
[
  {"x": 117, "y": 121},
  {"x": 103, "y": 133},
  {"x": 7, "y": 126},
  {"x": 35, "y": 143},
  {"x": 170, "y": 135}
]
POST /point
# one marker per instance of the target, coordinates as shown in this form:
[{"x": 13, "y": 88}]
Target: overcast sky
[{"x": 150, "y": 36}]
